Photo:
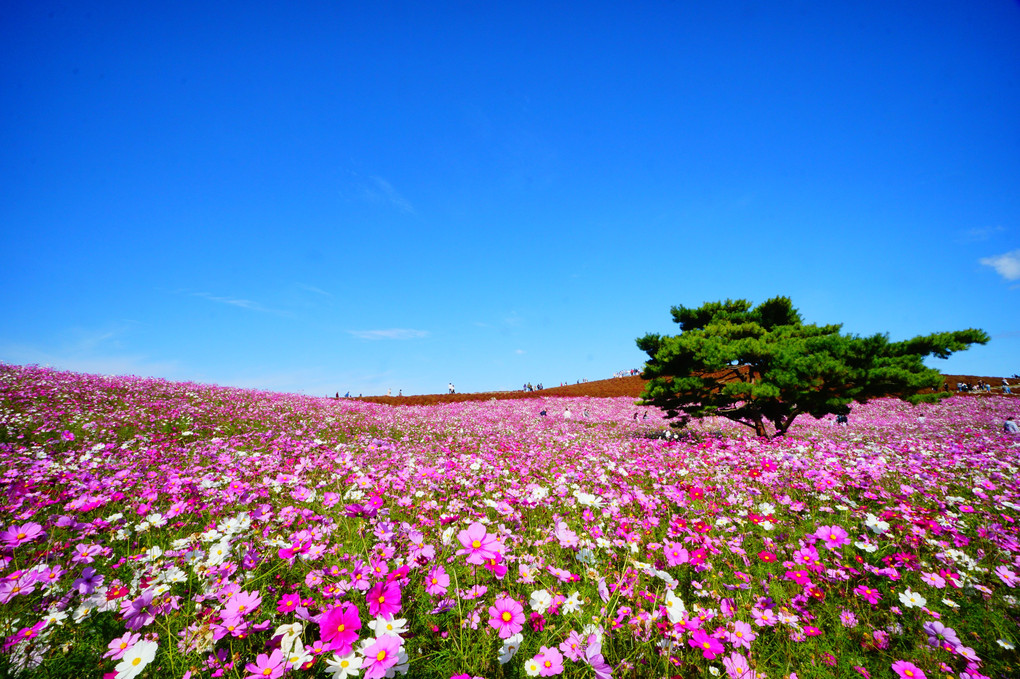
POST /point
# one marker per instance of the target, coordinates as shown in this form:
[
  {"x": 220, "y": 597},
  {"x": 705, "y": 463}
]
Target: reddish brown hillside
[{"x": 630, "y": 387}]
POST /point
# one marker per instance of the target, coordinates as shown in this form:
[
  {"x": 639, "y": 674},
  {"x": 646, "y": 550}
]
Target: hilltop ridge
[{"x": 630, "y": 386}]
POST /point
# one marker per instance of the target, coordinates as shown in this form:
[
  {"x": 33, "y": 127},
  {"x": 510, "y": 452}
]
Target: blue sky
[{"x": 333, "y": 196}]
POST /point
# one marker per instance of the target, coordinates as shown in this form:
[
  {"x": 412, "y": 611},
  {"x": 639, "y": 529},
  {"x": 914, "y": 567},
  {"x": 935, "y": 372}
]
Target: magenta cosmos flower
[
  {"x": 507, "y": 617},
  {"x": 907, "y": 670},
  {"x": 709, "y": 646},
  {"x": 478, "y": 545},
  {"x": 381, "y": 655},
  {"x": 339, "y": 627},
  {"x": 384, "y": 599}
]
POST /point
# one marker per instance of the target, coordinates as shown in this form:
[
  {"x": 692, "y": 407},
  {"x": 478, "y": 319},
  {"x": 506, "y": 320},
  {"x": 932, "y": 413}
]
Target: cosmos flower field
[{"x": 159, "y": 529}]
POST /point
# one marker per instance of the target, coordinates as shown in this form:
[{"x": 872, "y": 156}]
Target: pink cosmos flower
[
  {"x": 573, "y": 646},
  {"x": 907, "y": 670},
  {"x": 593, "y": 654},
  {"x": 507, "y": 617},
  {"x": 266, "y": 666},
  {"x": 381, "y": 655},
  {"x": 16, "y": 536},
  {"x": 339, "y": 626},
  {"x": 742, "y": 635},
  {"x": 709, "y": 646},
  {"x": 437, "y": 581},
  {"x": 478, "y": 545},
  {"x": 675, "y": 554},
  {"x": 806, "y": 556},
  {"x": 495, "y": 565},
  {"x": 241, "y": 604},
  {"x": 1008, "y": 577},
  {"x": 384, "y": 599},
  {"x": 550, "y": 662},
  {"x": 834, "y": 537},
  {"x": 736, "y": 666},
  {"x": 119, "y": 646}
]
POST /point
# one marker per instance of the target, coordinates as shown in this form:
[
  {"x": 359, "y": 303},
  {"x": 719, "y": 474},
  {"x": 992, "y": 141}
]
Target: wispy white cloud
[
  {"x": 1006, "y": 265},
  {"x": 390, "y": 334},
  {"x": 242, "y": 303},
  {"x": 376, "y": 189},
  {"x": 982, "y": 234},
  {"x": 317, "y": 291}
]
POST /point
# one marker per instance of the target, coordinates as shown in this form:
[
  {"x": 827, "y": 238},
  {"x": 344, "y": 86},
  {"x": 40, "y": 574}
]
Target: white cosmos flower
[
  {"x": 675, "y": 607},
  {"x": 540, "y": 600},
  {"x": 912, "y": 599},
  {"x": 510, "y": 647},
  {"x": 572, "y": 604},
  {"x": 387, "y": 625},
  {"x": 135, "y": 659},
  {"x": 341, "y": 668}
]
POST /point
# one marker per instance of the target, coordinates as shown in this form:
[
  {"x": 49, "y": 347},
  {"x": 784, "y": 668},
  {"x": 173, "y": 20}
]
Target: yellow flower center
[
  {"x": 507, "y": 616},
  {"x": 136, "y": 661},
  {"x": 380, "y": 656},
  {"x": 340, "y": 627},
  {"x": 476, "y": 544}
]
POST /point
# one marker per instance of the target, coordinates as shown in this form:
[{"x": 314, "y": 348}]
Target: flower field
[{"x": 160, "y": 529}]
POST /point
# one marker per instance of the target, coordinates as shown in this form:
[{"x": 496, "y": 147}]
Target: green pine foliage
[{"x": 763, "y": 365}]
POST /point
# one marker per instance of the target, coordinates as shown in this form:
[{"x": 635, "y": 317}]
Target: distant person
[
  {"x": 388, "y": 392},
  {"x": 400, "y": 392},
  {"x": 635, "y": 417},
  {"x": 543, "y": 413},
  {"x": 567, "y": 414},
  {"x": 338, "y": 395},
  {"x": 1009, "y": 426},
  {"x": 842, "y": 420},
  {"x": 449, "y": 388},
  {"x": 1005, "y": 386}
]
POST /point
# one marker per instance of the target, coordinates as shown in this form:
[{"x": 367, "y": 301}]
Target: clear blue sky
[{"x": 324, "y": 196}]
